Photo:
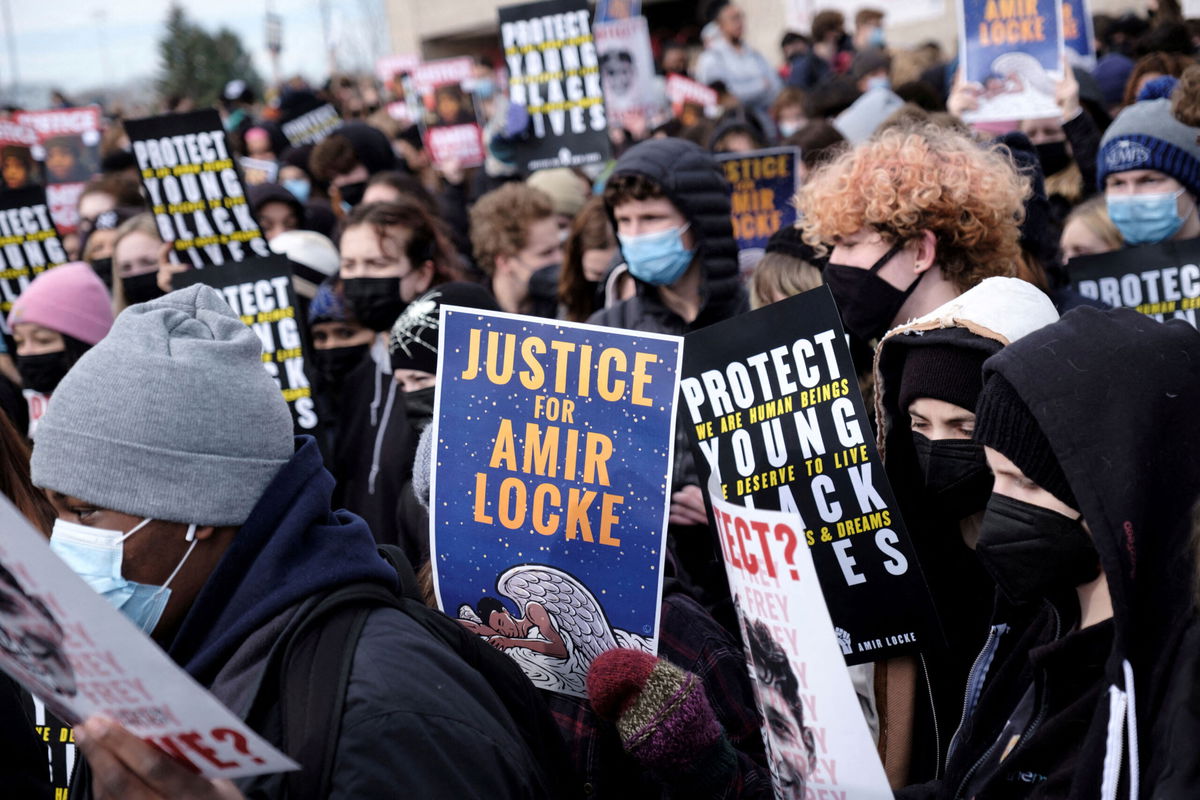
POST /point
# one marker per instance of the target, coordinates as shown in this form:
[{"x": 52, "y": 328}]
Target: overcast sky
[{"x": 64, "y": 47}]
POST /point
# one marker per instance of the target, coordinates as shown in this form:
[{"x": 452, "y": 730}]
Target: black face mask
[
  {"x": 958, "y": 482},
  {"x": 352, "y": 193},
  {"x": 103, "y": 269},
  {"x": 376, "y": 302},
  {"x": 867, "y": 302},
  {"x": 141, "y": 288},
  {"x": 1054, "y": 157},
  {"x": 1031, "y": 551},
  {"x": 43, "y": 373},
  {"x": 419, "y": 405},
  {"x": 333, "y": 364}
]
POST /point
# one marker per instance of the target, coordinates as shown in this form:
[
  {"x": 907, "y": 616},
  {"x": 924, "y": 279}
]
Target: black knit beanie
[
  {"x": 1004, "y": 423},
  {"x": 943, "y": 372}
]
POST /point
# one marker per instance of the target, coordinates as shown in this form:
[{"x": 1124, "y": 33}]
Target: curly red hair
[{"x": 923, "y": 178}]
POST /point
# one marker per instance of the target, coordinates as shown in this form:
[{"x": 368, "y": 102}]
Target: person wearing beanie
[
  {"x": 1089, "y": 680},
  {"x": 64, "y": 312},
  {"x": 928, "y": 377},
  {"x": 340, "y": 345},
  {"x": 347, "y": 158},
  {"x": 788, "y": 267},
  {"x": 276, "y": 209},
  {"x": 171, "y": 443},
  {"x": 567, "y": 190},
  {"x": 1149, "y": 170}
]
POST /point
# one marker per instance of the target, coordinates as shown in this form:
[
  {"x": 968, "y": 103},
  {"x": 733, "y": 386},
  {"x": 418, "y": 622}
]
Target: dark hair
[
  {"x": 616, "y": 55},
  {"x": 771, "y": 668},
  {"x": 427, "y": 240},
  {"x": 827, "y": 22},
  {"x": 406, "y": 185},
  {"x": 631, "y": 186},
  {"x": 818, "y": 140},
  {"x": 332, "y": 156},
  {"x": 1172, "y": 64},
  {"x": 486, "y": 606},
  {"x": 590, "y": 230},
  {"x": 124, "y": 188},
  {"x": 15, "y": 483}
]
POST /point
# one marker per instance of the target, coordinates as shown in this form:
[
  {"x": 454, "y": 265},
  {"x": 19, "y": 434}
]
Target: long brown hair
[
  {"x": 427, "y": 238},
  {"x": 591, "y": 230},
  {"x": 15, "y": 482}
]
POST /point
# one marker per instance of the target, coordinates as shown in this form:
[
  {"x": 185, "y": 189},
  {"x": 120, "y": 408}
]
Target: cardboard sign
[
  {"x": 763, "y": 184},
  {"x": 69, "y": 149},
  {"x": 772, "y": 405},
  {"x": 260, "y": 292},
  {"x": 691, "y": 101},
  {"x": 312, "y": 126},
  {"x": 83, "y": 658},
  {"x": 554, "y": 71},
  {"x": 191, "y": 180},
  {"x": 1013, "y": 54},
  {"x": 388, "y": 67},
  {"x": 1077, "y": 33},
  {"x": 29, "y": 243},
  {"x": 796, "y": 665},
  {"x": 631, "y": 89},
  {"x": 450, "y": 124},
  {"x": 1159, "y": 280},
  {"x": 551, "y": 480}
]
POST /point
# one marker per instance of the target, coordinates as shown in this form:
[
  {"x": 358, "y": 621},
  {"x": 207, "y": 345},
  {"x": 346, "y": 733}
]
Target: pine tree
[{"x": 197, "y": 64}]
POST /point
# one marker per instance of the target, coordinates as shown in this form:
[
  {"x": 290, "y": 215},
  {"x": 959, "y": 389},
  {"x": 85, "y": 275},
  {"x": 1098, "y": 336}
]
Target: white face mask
[{"x": 96, "y": 555}]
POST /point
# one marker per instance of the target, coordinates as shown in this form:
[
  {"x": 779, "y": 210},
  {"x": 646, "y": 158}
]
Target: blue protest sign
[
  {"x": 763, "y": 183},
  {"x": 1013, "y": 52},
  {"x": 1077, "y": 33},
  {"x": 552, "y": 468}
]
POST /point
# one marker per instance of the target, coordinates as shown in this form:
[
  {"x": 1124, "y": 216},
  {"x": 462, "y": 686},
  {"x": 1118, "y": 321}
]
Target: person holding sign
[
  {"x": 1091, "y": 662},
  {"x": 928, "y": 376},
  {"x": 1149, "y": 167},
  {"x": 914, "y": 217},
  {"x": 184, "y": 500}
]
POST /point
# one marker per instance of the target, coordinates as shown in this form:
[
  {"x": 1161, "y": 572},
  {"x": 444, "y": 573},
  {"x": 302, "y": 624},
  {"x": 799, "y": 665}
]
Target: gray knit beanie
[
  {"x": 170, "y": 416},
  {"x": 1147, "y": 135}
]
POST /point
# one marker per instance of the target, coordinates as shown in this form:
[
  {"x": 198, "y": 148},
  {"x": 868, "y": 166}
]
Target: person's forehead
[
  {"x": 653, "y": 205},
  {"x": 1140, "y": 174}
]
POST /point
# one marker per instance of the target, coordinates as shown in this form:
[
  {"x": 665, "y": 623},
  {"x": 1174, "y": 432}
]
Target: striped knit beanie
[{"x": 1146, "y": 135}]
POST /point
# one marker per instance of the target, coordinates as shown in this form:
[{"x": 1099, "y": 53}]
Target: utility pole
[
  {"x": 12, "y": 49},
  {"x": 274, "y": 41},
  {"x": 101, "y": 16}
]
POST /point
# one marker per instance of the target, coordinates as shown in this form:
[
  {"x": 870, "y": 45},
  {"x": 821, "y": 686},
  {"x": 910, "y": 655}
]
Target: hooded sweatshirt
[{"x": 917, "y": 732}]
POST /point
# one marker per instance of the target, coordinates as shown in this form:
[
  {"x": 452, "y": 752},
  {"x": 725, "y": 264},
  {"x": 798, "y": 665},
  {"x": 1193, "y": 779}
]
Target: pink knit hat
[{"x": 70, "y": 299}]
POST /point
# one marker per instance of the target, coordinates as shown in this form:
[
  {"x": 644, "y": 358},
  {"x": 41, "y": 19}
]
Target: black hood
[
  {"x": 371, "y": 146},
  {"x": 261, "y": 194},
  {"x": 694, "y": 182},
  {"x": 1116, "y": 394}
]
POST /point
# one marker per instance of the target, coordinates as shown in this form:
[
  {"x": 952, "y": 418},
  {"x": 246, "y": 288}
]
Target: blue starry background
[{"x": 470, "y": 556}]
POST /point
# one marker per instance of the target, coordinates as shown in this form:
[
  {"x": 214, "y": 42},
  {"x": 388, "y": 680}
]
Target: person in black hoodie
[
  {"x": 1092, "y": 661},
  {"x": 669, "y": 204},
  {"x": 347, "y": 158},
  {"x": 189, "y": 449}
]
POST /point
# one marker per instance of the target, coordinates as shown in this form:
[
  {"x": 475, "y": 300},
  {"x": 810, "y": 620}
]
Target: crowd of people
[{"x": 1038, "y": 442}]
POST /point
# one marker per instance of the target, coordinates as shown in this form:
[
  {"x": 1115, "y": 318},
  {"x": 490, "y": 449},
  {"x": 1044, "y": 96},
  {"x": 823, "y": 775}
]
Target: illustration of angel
[{"x": 558, "y": 630}]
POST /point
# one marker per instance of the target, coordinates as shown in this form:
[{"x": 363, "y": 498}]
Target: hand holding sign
[{"x": 126, "y": 768}]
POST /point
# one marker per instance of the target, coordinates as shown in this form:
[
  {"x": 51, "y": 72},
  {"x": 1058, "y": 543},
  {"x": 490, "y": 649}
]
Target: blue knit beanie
[{"x": 1146, "y": 135}]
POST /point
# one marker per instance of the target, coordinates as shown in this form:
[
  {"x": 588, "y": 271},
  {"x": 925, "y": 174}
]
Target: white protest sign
[
  {"x": 82, "y": 657},
  {"x": 814, "y": 730}
]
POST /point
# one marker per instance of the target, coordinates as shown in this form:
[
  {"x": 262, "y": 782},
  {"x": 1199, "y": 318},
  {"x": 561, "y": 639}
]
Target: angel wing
[
  {"x": 574, "y": 612},
  {"x": 1027, "y": 67}
]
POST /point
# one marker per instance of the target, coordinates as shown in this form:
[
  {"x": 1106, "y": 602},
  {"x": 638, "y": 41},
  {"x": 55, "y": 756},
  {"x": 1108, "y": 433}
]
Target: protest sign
[
  {"x": 388, "y": 67},
  {"x": 194, "y": 188},
  {"x": 260, "y": 292},
  {"x": 691, "y": 102},
  {"x": 1077, "y": 33},
  {"x": 796, "y": 665},
  {"x": 69, "y": 149},
  {"x": 1012, "y": 53},
  {"x": 83, "y": 658},
  {"x": 18, "y": 169},
  {"x": 552, "y": 470},
  {"x": 631, "y": 88},
  {"x": 610, "y": 10},
  {"x": 311, "y": 126},
  {"x": 763, "y": 183},
  {"x": 258, "y": 170},
  {"x": 29, "y": 242},
  {"x": 450, "y": 122},
  {"x": 1159, "y": 280},
  {"x": 554, "y": 72},
  {"x": 772, "y": 404}
]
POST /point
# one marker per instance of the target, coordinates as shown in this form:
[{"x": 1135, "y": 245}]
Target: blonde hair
[
  {"x": 779, "y": 275},
  {"x": 142, "y": 223},
  {"x": 918, "y": 178},
  {"x": 500, "y": 222},
  {"x": 1093, "y": 215}
]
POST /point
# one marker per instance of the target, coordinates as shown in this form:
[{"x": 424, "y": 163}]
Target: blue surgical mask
[
  {"x": 1146, "y": 218},
  {"x": 300, "y": 187},
  {"x": 879, "y": 82},
  {"x": 95, "y": 554},
  {"x": 658, "y": 258},
  {"x": 877, "y": 38}
]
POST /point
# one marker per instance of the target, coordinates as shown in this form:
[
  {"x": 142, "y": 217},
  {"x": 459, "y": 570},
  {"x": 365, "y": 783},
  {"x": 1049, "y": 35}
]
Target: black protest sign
[
  {"x": 29, "y": 242},
  {"x": 312, "y": 126},
  {"x": 554, "y": 72},
  {"x": 772, "y": 405},
  {"x": 195, "y": 191},
  {"x": 1158, "y": 280},
  {"x": 260, "y": 292}
]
